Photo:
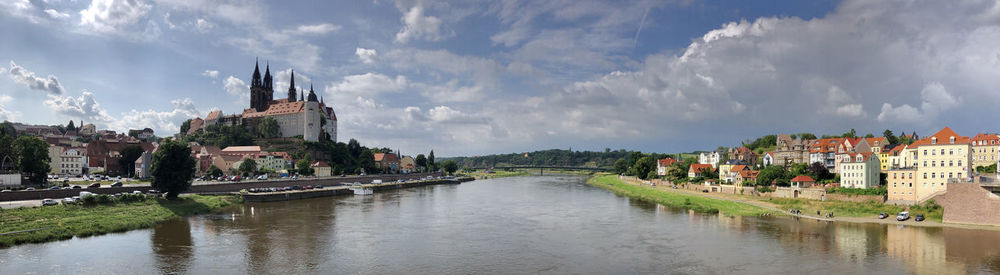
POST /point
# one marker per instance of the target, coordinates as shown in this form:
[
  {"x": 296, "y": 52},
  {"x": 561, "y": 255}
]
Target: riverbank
[
  {"x": 844, "y": 211},
  {"x": 480, "y": 174},
  {"x": 677, "y": 199},
  {"x": 48, "y": 223}
]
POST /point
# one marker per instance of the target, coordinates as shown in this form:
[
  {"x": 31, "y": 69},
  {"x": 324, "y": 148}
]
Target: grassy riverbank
[
  {"x": 676, "y": 199},
  {"x": 480, "y": 174},
  {"x": 65, "y": 221},
  {"x": 931, "y": 212}
]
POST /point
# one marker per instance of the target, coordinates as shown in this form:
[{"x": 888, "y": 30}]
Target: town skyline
[{"x": 477, "y": 79}]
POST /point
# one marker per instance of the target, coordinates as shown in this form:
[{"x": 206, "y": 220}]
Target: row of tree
[{"x": 26, "y": 154}]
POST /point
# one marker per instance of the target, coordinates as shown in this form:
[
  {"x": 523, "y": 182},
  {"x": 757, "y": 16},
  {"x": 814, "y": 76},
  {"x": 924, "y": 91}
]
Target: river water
[{"x": 550, "y": 224}]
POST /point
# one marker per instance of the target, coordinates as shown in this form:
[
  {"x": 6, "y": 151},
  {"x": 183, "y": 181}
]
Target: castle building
[{"x": 308, "y": 117}]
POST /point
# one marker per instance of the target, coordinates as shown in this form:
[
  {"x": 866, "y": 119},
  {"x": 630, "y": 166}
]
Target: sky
[{"x": 481, "y": 77}]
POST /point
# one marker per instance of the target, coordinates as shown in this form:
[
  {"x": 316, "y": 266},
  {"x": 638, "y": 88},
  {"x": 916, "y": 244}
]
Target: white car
[
  {"x": 68, "y": 201},
  {"x": 47, "y": 202}
]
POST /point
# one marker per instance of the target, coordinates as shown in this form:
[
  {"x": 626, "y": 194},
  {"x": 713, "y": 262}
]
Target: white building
[
  {"x": 67, "y": 160},
  {"x": 859, "y": 170},
  {"x": 710, "y": 158}
]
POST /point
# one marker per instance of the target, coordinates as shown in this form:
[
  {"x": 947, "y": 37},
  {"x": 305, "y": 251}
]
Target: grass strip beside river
[
  {"x": 676, "y": 199},
  {"x": 58, "y": 222}
]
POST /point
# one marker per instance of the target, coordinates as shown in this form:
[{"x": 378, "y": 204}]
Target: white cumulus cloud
[
  {"x": 22, "y": 76},
  {"x": 416, "y": 25},
  {"x": 367, "y": 56}
]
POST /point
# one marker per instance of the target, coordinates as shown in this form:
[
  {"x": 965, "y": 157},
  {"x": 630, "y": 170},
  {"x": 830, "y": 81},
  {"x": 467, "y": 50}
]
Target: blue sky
[{"x": 480, "y": 77}]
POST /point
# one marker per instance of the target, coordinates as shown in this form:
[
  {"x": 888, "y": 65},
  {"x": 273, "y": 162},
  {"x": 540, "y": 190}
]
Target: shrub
[
  {"x": 104, "y": 199},
  {"x": 764, "y": 189}
]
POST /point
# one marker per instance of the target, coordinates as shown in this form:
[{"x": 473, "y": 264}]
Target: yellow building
[
  {"x": 984, "y": 149},
  {"x": 940, "y": 157},
  {"x": 901, "y": 185}
]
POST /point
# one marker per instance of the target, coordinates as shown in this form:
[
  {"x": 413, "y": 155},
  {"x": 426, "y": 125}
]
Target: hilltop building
[{"x": 308, "y": 116}]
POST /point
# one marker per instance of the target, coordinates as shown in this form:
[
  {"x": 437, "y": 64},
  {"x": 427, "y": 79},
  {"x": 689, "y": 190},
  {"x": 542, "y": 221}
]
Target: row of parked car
[
  {"x": 286, "y": 188},
  {"x": 902, "y": 216},
  {"x": 84, "y": 194}
]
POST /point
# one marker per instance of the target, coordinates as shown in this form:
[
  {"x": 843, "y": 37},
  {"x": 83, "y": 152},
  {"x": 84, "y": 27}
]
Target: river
[{"x": 551, "y": 224}]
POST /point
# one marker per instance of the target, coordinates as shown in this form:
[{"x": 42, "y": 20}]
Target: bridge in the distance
[{"x": 541, "y": 168}]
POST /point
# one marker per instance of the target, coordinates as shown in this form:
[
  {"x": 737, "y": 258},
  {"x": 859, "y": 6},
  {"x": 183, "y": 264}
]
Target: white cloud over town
[{"x": 27, "y": 78}]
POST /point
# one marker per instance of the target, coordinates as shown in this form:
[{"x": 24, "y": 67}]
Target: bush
[
  {"x": 129, "y": 198},
  {"x": 104, "y": 199},
  {"x": 879, "y": 191},
  {"x": 89, "y": 200},
  {"x": 764, "y": 189}
]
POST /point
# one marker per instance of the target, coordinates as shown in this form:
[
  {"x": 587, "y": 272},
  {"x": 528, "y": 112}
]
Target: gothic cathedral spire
[
  {"x": 256, "y": 74},
  {"x": 291, "y": 88}
]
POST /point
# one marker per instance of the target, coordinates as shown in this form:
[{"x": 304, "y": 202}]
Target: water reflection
[
  {"x": 512, "y": 225},
  {"x": 173, "y": 246}
]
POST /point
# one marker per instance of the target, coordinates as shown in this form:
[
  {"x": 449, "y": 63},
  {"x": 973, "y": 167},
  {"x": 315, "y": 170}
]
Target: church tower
[
  {"x": 257, "y": 90},
  {"x": 268, "y": 86},
  {"x": 291, "y": 88},
  {"x": 311, "y": 118}
]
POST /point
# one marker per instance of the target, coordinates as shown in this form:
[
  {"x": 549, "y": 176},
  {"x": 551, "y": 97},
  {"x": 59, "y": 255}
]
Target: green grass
[
  {"x": 930, "y": 210},
  {"x": 65, "y": 221},
  {"x": 676, "y": 199}
]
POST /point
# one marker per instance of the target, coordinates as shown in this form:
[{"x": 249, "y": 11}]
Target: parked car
[
  {"x": 883, "y": 215},
  {"x": 54, "y": 188},
  {"x": 116, "y": 184},
  {"x": 29, "y": 189},
  {"x": 76, "y": 187},
  {"x": 137, "y": 192},
  {"x": 5, "y": 190},
  {"x": 919, "y": 218},
  {"x": 47, "y": 202},
  {"x": 903, "y": 216},
  {"x": 704, "y": 190},
  {"x": 68, "y": 201},
  {"x": 94, "y": 185},
  {"x": 318, "y": 187}
]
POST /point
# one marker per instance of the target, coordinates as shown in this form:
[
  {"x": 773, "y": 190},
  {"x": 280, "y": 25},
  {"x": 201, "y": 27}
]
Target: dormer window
[
  {"x": 933, "y": 140},
  {"x": 952, "y": 140}
]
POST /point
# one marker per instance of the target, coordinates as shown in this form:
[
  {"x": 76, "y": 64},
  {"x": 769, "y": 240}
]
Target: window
[
  {"x": 949, "y": 175},
  {"x": 933, "y": 175},
  {"x": 925, "y": 177},
  {"x": 959, "y": 162},
  {"x": 925, "y": 152},
  {"x": 942, "y": 151},
  {"x": 959, "y": 174},
  {"x": 951, "y": 151}
]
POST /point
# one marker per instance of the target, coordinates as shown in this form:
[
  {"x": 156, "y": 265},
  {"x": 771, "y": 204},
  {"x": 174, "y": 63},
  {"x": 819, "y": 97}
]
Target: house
[
  {"x": 802, "y": 181},
  {"x": 901, "y": 186},
  {"x": 387, "y": 162},
  {"x": 711, "y": 158},
  {"x": 729, "y": 170},
  {"x": 825, "y": 151},
  {"x": 745, "y": 176},
  {"x": 744, "y": 154},
  {"x": 789, "y": 151},
  {"x": 143, "y": 165},
  {"x": 407, "y": 165},
  {"x": 859, "y": 170},
  {"x": 697, "y": 169},
  {"x": 321, "y": 169},
  {"x": 984, "y": 149},
  {"x": 768, "y": 159},
  {"x": 662, "y": 164}
]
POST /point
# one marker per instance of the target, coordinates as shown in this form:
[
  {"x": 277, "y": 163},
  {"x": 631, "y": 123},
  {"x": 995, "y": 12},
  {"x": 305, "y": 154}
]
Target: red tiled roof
[
  {"x": 749, "y": 174},
  {"x": 738, "y": 167},
  {"x": 214, "y": 115},
  {"x": 943, "y": 138},
  {"x": 667, "y": 161},
  {"x": 802, "y": 178},
  {"x": 698, "y": 168},
  {"x": 386, "y": 157},
  {"x": 320, "y": 164},
  {"x": 985, "y": 137}
]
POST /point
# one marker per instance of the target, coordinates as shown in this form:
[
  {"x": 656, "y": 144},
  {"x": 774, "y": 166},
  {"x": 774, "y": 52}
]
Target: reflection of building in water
[
  {"x": 974, "y": 247},
  {"x": 922, "y": 250},
  {"x": 851, "y": 243}
]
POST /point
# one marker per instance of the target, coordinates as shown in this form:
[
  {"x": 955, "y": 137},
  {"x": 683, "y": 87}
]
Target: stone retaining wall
[{"x": 970, "y": 203}]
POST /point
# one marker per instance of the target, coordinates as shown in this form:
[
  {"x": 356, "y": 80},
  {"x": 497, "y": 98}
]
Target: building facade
[
  {"x": 789, "y": 151},
  {"x": 941, "y": 157},
  {"x": 710, "y": 158},
  {"x": 662, "y": 164},
  {"x": 984, "y": 149},
  {"x": 901, "y": 184},
  {"x": 859, "y": 170}
]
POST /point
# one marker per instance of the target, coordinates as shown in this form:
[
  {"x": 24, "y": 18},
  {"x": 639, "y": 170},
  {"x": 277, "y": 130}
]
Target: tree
[
  {"x": 797, "y": 169},
  {"x": 892, "y": 139},
  {"x": 214, "y": 171},
  {"x": 676, "y": 172},
  {"x": 770, "y": 174},
  {"x": 248, "y": 167},
  {"x": 421, "y": 161},
  {"x": 450, "y": 166},
  {"x": 32, "y": 158},
  {"x": 851, "y": 134},
  {"x": 819, "y": 171},
  {"x": 185, "y": 126},
  {"x": 620, "y": 167},
  {"x": 127, "y": 160},
  {"x": 869, "y": 135},
  {"x": 303, "y": 168},
  {"x": 173, "y": 168},
  {"x": 268, "y": 128},
  {"x": 807, "y": 136},
  {"x": 367, "y": 161},
  {"x": 70, "y": 126},
  {"x": 643, "y": 166},
  {"x": 430, "y": 161}
]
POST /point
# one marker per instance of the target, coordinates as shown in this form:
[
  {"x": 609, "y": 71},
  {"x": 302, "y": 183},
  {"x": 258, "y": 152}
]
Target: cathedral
[{"x": 306, "y": 116}]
